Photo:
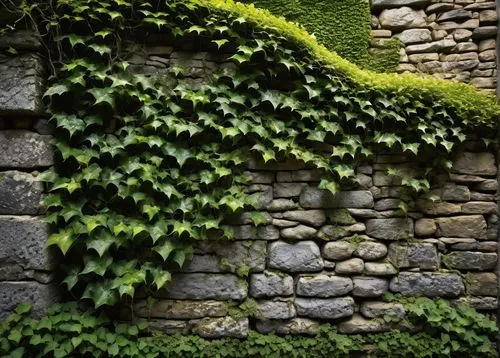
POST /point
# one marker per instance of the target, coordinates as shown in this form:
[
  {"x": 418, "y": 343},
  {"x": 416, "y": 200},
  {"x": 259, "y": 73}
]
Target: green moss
[
  {"x": 341, "y": 217},
  {"x": 342, "y": 26},
  {"x": 385, "y": 57}
]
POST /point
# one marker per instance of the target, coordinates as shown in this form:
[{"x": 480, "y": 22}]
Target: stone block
[
  {"x": 475, "y": 164},
  {"x": 453, "y": 192},
  {"x": 24, "y": 149},
  {"x": 39, "y": 295},
  {"x": 202, "y": 286},
  {"x": 418, "y": 255},
  {"x": 470, "y": 226},
  {"x": 413, "y": 36},
  {"x": 380, "y": 269},
  {"x": 479, "y": 207},
  {"x": 340, "y": 217},
  {"x": 20, "y": 193},
  {"x": 282, "y": 205},
  {"x": 425, "y": 227},
  {"x": 370, "y": 250},
  {"x": 427, "y": 284},
  {"x": 349, "y": 267},
  {"x": 483, "y": 284},
  {"x": 358, "y": 324},
  {"x": 221, "y": 327},
  {"x": 169, "y": 326},
  {"x": 299, "y": 176},
  {"x": 299, "y": 232},
  {"x": 338, "y": 250},
  {"x": 325, "y": 308},
  {"x": 276, "y": 309},
  {"x": 469, "y": 260},
  {"x": 484, "y": 32},
  {"x": 479, "y": 303},
  {"x": 374, "y": 309},
  {"x": 323, "y": 286},
  {"x": 184, "y": 309},
  {"x": 365, "y": 286},
  {"x": 435, "y": 46},
  {"x": 303, "y": 256},
  {"x": 458, "y": 15},
  {"x": 294, "y": 326},
  {"x": 389, "y": 229},
  {"x": 385, "y": 4},
  {"x": 402, "y": 18},
  {"x": 270, "y": 284},
  {"x": 334, "y": 232},
  {"x": 21, "y": 84},
  {"x": 430, "y": 207},
  {"x": 307, "y": 217},
  {"x": 288, "y": 190},
  {"x": 313, "y": 198}
]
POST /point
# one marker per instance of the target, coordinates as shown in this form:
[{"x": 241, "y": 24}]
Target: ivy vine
[{"x": 148, "y": 164}]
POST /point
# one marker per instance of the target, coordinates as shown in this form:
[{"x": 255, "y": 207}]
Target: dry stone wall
[{"x": 452, "y": 39}]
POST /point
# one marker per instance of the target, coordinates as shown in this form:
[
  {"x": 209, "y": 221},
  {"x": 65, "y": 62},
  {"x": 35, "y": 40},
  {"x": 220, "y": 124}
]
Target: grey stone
[
  {"x": 479, "y": 207},
  {"x": 341, "y": 217},
  {"x": 221, "y": 327},
  {"x": 288, "y": 190},
  {"x": 276, "y": 309},
  {"x": 260, "y": 177},
  {"x": 358, "y": 324},
  {"x": 325, "y": 308},
  {"x": 300, "y": 232},
  {"x": 468, "y": 260},
  {"x": 439, "y": 7},
  {"x": 20, "y": 193},
  {"x": 370, "y": 250},
  {"x": 202, "y": 286},
  {"x": 313, "y": 198},
  {"x": 413, "y": 36},
  {"x": 245, "y": 218},
  {"x": 369, "y": 286},
  {"x": 250, "y": 232},
  {"x": 303, "y": 256},
  {"x": 261, "y": 195},
  {"x": 479, "y": 303},
  {"x": 373, "y": 309},
  {"x": 462, "y": 35},
  {"x": 460, "y": 66},
  {"x": 270, "y": 284},
  {"x": 299, "y": 175},
  {"x": 21, "y": 84},
  {"x": 185, "y": 309},
  {"x": 420, "y": 255},
  {"x": 331, "y": 232},
  {"x": 389, "y": 229},
  {"x": 475, "y": 164},
  {"x": 282, "y": 205},
  {"x": 20, "y": 40},
  {"x": 455, "y": 193},
  {"x": 470, "y": 226},
  {"x": 379, "y": 269},
  {"x": 487, "y": 185},
  {"x": 484, "y": 82},
  {"x": 323, "y": 286},
  {"x": 489, "y": 44},
  {"x": 338, "y": 250},
  {"x": 425, "y": 227},
  {"x": 14, "y": 293},
  {"x": 427, "y": 284},
  {"x": 430, "y": 207},
  {"x": 294, "y": 326},
  {"x": 466, "y": 51},
  {"x": 24, "y": 149},
  {"x": 461, "y": 178},
  {"x": 308, "y": 217},
  {"x": 385, "y": 4},
  {"x": 455, "y": 15},
  {"x": 284, "y": 223},
  {"x": 484, "y": 32},
  {"x": 480, "y": 5},
  {"x": 387, "y": 204},
  {"x": 23, "y": 240},
  {"x": 436, "y": 46},
  {"x": 381, "y": 33},
  {"x": 350, "y": 266},
  {"x": 402, "y": 18},
  {"x": 483, "y": 284},
  {"x": 169, "y": 326},
  {"x": 423, "y": 57}
]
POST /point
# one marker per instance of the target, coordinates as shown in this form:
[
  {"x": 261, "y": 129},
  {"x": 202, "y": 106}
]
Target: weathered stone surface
[
  {"x": 455, "y": 193},
  {"x": 421, "y": 255},
  {"x": 269, "y": 284},
  {"x": 261, "y": 194},
  {"x": 340, "y": 217},
  {"x": 402, "y": 18},
  {"x": 482, "y": 284},
  {"x": 284, "y": 223},
  {"x": 413, "y": 36},
  {"x": 489, "y": 44},
  {"x": 479, "y": 207},
  {"x": 462, "y": 35},
  {"x": 439, "y": 7},
  {"x": 201, "y": 286},
  {"x": 373, "y": 309},
  {"x": 380, "y": 269},
  {"x": 276, "y": 309},
  {"x": 282, "y": 204},
  {"x": 293, "y": 326},
  {"x": 260, "y": 177},
  {"x": 24, "y": 149},
  {"x": 323, "y": 286},
  {"x": 484, "y": 32},
  {"x": 308, "y": 217},
  {"x": 338, "y": 250},
  {"x": 365, "y": 286},
  {"x": 487, "y": 185},
  {"x": 468, "y": 260},
  {"x": 313, "y": 198},
  {"x": 221, "y": 327},
  {"x": 455, "y": 15},
  {"x": 427, "y": 284},
  {"x": 169, "y": 326},
  {"x": 475, "y": 164},
  {"x": 303, "y": 256},
  {"x": 471, "y": 226},
  {"x": 359, "y": 324},
  {"x": 385, "y": 4},
  {"x": 173, "y": 309},
  {"x": 23, "y": 239},
  {"x": 250, "y": 232},
  {"x": 288, "y": 190},
  {"x": 436, "y": 46},
  {"x": 14, "y": 293},
  {"x": 325, "y": 308},
  {"x": 370, "y": 250},
  {"x": 430, "y": 207},
  {"x": 425, "y": 227},
  {"x": 479, "y": 303},
  {"x": 351, "y": 266},
  {"x": 333, "y": 232},
  {"x": 20, "y": 40},
  {"x": 389, "y": 229},
  {"x": 299, "y": 175},
  {"x": 21, "y": 84},
  {"x": 299, "y": 232},
  {"x": 387, "y": 204},
  {"x": 20, "y": 193}
]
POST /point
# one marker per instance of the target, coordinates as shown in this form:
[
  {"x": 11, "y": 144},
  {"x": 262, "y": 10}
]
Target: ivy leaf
[
  {"x": 332, "y": 187},
  {"x": 101, "y": 294},
  {"x": 97, "y": 265},
  {"x": 58, "y": 89},
  {"x": 344, "y": 170},
  {"x": 161, "y": 277},
  {"x": 220, "y": 43},
  {"x": 101, "y": 243},
  {"x": 63, "y": 239},
  {"x": 165, "y": 249}
]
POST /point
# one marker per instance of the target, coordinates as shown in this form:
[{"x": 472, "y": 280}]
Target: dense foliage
[
  {"x": 342, "y": 26},
  {"x": 68, "y": 331}
]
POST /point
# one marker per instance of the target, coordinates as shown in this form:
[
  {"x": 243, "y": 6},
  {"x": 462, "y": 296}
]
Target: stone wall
[{"x": 452, "y": 39}]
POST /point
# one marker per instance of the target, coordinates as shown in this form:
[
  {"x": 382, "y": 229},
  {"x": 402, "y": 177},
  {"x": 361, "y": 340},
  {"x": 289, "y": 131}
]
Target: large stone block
[
  {"x": 389, "y": 229},
  {"x": 20, "y": 40},
  {"x": 303, "y": 256},
  {"x": 419, "y": 255},
  {"x": 359, "y": 324},
  {"x": 276, "y": 309},
  {"x": 475, "y": 163},
  {"x": 22, "y": 242},
  {"x": 201, "y": 286},
  {"x": 323, "y": 286},
  {"x": 469, "y": 260},
  {"x": 326, "y": 308},
  {"x": 314, "y": 198},
  {"x": 482, "y": 284},
  {"x": 269, "y": 284},
  {"x": 402, "y": 18},
  {"x": 470, "y": 226},
  {"x": 427, "y": 284},
  {"x": 385, "y": 4},
  {"x": 292, "y": 326},
  {"x": 21, "y": 84},
  {"x": 374, "y": 309},
  {"x": 365, "y": 286},
  {"x": 14, "y": 293},
  {"x": 24, "y": 149},
  {"x": 221, "y": 327},
  {"x": 20, "y": 193},
  {"x": 185, "y": 309}
]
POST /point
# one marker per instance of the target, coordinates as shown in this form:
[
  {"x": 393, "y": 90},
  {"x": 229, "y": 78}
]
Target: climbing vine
[{"x": 148, "y": 164}]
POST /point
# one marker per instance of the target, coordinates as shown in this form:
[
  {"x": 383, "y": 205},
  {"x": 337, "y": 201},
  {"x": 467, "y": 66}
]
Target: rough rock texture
[
  {"x": 294, "y": 326},
  {"x": 24, "y": 149},
  {"x": 269, "y": 284},
  {"x": 323, "y": 286},
  {"x": 328, "y": 308},
  {"x": 185, "y": 309},
  {"x": 421, "y": 255},
  {"x": 222, "y": 327},
  {"x": 473, "y": 226},
  {"x": 303, "y": 256},
  {"x": 427, "y": 284},
  {"x": 20, "y": 193},
  {"x": 14, "y": 293},
  {"x": 470, "y": 260},
  {"x": 199, "y": 286},
  {"x": 316, "y": 198},
  {"x": 389, "y": 229}
]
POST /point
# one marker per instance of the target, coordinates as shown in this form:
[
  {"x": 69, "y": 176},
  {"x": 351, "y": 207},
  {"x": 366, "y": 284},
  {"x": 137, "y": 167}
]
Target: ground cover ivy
[{"x": 147, "y": 165}]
